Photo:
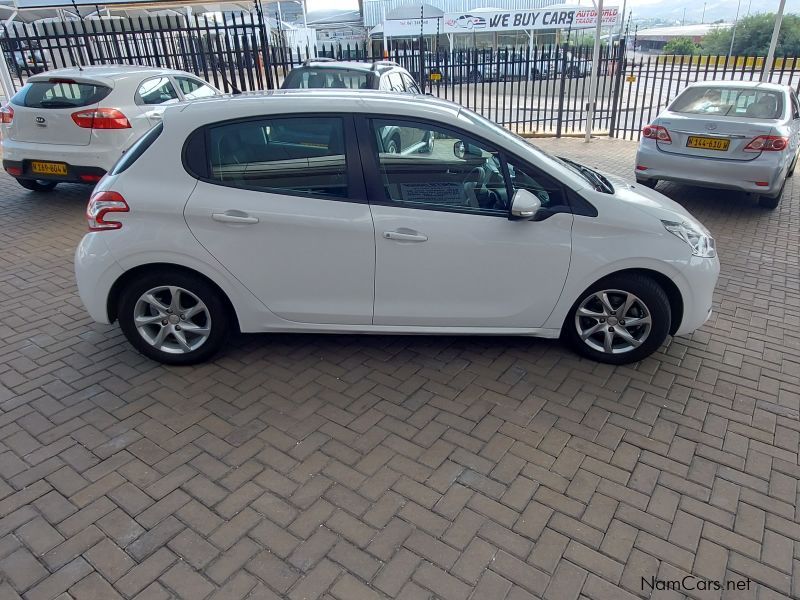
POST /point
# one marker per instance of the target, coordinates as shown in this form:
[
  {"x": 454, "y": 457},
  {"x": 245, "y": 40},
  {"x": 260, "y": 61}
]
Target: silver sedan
[{"x": 736, "y": 135}]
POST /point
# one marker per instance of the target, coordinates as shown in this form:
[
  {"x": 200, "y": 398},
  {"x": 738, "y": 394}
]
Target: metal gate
[{"x": 232, "y": 53}]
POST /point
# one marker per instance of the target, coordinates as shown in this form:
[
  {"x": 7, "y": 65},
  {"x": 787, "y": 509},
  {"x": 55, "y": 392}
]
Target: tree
[
  {"x": 753, "y": 34},
  {"x": 680, "y": 46}
]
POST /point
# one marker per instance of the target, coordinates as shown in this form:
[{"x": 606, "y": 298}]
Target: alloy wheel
[
  {"x": 172, "y": 319},
  {"x": 613, "y": 321}
]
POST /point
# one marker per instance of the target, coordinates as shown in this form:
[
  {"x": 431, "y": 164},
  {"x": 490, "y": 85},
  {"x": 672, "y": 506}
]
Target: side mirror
[
  {"x": 459, "y": 149},
  {"x": 524, "y": 206}
]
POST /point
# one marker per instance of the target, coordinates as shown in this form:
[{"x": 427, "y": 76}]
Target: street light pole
[
  {"x": 735, "y": 23},
  {"x": 595, "y": 71},
  {"x": 773, "y": 42}
]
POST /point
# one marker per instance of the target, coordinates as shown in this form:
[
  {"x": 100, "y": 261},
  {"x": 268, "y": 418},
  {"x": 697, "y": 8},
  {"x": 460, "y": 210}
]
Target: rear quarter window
[{"x": 60, "y": 94}]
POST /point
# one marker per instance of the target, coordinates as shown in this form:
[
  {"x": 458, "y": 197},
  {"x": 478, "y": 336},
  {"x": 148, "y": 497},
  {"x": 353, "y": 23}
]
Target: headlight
[{"x": 702, "y": 244}]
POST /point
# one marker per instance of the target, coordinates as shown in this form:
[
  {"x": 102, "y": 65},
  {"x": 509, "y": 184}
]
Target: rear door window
[
  {"x": 192, "y": 88},
  {"x": 58, "y": 93},
  {"x": 301, "y": 156},
  {"x": 157, "y": 90}
]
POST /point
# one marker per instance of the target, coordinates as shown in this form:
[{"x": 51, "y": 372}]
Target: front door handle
[
  {"x": 405, "y": 236},
  {"x": 237, "y": 217}
]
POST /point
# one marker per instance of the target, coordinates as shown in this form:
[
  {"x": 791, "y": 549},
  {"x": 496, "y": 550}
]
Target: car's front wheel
[
  {"x": 621, "y": 319},
  {"x": 38, "y": 185},
  {"x": 174, "y": 317}
]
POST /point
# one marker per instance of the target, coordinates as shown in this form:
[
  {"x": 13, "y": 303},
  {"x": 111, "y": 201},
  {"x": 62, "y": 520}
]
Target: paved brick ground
[{"x": 370, "y": 467}]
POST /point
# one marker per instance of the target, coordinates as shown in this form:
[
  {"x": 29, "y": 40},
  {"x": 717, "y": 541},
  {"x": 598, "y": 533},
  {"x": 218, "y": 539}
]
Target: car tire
[
  {"x": 159, "y": 327},
  {"x": 771, "y": 203},
  {"x": 791, "y": 169},
  {"x": 393, "y": 146},
  {"x": 651, "y": 183},
  {"x": 38, "y": 185},
  {"x": 599, "y": 337}
]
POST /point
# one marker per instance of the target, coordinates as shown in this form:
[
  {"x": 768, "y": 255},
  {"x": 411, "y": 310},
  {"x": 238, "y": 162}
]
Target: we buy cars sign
[{"x": 539, "y": 19}]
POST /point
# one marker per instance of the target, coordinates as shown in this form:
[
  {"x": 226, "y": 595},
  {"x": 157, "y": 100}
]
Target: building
[{"x": 655, "y": 38}]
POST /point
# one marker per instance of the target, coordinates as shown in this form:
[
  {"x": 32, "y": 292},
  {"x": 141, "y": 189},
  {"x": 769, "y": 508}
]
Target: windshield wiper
[{"x": 600, "y": 183}]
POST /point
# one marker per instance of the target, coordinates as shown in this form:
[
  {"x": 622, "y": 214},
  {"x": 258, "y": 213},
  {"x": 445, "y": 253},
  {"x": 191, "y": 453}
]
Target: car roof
[
  {"x": 351, "y": 65},
  {"x": 763, "y": 85},
  {"x": 106, "y": 74},
  {"x": 220, "y": 108}
]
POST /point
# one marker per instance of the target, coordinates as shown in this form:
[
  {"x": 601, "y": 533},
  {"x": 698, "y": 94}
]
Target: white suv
[
  {"x": 286, "y": 212},
  {"x": 73, "y": 124}
]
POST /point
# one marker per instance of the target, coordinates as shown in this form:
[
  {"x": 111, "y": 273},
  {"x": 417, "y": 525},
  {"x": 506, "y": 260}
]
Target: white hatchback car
[
  {"x": 284, "y": 212},
  {"x": 739, "y": 135},
  {"x": 73, "y": 124}
]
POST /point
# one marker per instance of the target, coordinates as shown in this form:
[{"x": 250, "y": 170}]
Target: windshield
[
  {"x": 729, "y": 102},
  {"x": 306, "y": 78},
  {"x": 596, "y": 179}
]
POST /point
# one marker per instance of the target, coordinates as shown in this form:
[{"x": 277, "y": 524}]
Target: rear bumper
[
  {"x": 714, "y": 173},
  {"x": 21, "y": 169},
  {"x": 98, "y": 156}
]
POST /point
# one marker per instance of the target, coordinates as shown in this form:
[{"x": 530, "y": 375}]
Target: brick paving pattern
[{"x": 351, "y": 467}]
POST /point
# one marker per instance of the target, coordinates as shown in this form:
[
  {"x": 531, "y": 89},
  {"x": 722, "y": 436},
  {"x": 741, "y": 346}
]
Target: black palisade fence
[
  {"x": 536, "y": 89},
  {"x": 233, "y": 55}
]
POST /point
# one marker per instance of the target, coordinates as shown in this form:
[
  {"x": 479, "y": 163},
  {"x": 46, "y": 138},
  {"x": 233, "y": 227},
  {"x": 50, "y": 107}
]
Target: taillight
[
  {"x": 767, "y": 143},
  {"x": 657, "y": 132},
  {"x": 6, "y": 114},
  {"x": 101, "y": 118},
  {"x": 100, "y": 205},
  {"x": 14, "y": 171}
]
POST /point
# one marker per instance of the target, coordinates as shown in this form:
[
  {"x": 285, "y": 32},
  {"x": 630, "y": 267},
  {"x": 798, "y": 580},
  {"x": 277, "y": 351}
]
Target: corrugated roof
[{"x": 695, "y": 30}]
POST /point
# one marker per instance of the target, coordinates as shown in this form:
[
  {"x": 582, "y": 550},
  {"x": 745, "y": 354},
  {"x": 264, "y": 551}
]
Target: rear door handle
[
  {"x": 402, "y": 236},
  {"x": 236, "y": 217}
]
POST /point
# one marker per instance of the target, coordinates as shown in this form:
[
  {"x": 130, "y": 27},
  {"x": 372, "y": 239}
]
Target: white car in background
[
  {"x": 286, "y": 212},
  {"x": 72, "y": 125},
  {"x": 737, "y": 135}
]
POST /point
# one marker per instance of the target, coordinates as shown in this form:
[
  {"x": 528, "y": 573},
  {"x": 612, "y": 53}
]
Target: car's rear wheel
[
  {"x": 174, "y": 317},
  {"x": 38, "y": 185},
  {"x": 651, "y": 183},
  {"x": 621, "y": 319},
  {"x": 771, "y": 203}
]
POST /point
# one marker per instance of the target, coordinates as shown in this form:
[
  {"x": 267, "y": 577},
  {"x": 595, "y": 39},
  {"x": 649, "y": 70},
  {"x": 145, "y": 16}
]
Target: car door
[
  {"x": 192, "y": 88},
  {"x": 153, "y": 96},
  {"x": 446, "y": 252},
  {"x": 794, "y": 123},
  {"x": 281, "y": 205}
]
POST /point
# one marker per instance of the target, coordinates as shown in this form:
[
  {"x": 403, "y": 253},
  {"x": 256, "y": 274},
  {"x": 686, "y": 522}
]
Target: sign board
[
  {"x": 539, "y": 19},
  {"x": 502, "y": 20},
  {"x": 412, "y": 27}
]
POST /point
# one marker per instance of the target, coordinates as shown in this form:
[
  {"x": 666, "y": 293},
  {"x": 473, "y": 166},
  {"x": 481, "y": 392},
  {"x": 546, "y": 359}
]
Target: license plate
[
  {"x": 48, "y": 168},
  {"x": 436, "y": 76},
  {"x": 706, "y": 143}
]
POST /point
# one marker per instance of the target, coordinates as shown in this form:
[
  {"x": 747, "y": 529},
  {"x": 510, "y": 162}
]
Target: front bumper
[
  {"x": 21, "y": 169},
  {"x": 699, "y": 278},
  {"x": 740, "y": 175}
]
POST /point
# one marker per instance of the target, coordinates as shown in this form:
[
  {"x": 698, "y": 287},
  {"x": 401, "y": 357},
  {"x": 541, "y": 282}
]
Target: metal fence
[
  {"x": 541, "y": 89},
  {"x": 651, "y": 82},
  {"x": 536, "y": 89},
  {"x": 231, "y": 54}
]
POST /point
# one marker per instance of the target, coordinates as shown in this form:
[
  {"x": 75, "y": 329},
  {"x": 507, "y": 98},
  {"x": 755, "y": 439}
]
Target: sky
[{"x": 714, "y": 9}]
